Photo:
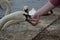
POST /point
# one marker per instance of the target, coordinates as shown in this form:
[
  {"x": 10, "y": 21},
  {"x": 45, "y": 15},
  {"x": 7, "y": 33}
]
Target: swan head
[{"x": 25, "y": 9}]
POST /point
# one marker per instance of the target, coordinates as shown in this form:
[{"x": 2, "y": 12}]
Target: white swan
[
  {"x": 18, "y": 15},
  {"x": 8, "y": 23},
  {"x": 8, "y": 6}
]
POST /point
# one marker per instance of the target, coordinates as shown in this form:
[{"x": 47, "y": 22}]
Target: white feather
[{"x": 32, "y": 12}]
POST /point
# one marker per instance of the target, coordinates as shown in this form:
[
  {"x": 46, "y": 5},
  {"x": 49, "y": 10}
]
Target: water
[{"x": 18, "y": 5}]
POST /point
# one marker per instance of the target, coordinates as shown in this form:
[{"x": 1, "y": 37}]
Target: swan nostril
[{"x": 26, "y": 9}]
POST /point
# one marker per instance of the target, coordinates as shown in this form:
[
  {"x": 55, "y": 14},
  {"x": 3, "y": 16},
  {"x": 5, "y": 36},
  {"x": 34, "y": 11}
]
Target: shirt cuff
[{"x": 55, "y": 2}]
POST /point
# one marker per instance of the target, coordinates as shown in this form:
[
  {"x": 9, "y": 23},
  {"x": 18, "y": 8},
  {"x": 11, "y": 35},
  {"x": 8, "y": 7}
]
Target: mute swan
[
  {"x": 8, "y": 6},
  {"x": 8, "y": 23},
  {"x": 18, "y": 15}
]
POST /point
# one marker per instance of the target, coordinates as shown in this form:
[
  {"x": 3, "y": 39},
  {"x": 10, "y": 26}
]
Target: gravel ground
[
  {"x": 51, "y": 33},
  {"x": 48, "y": 35}
]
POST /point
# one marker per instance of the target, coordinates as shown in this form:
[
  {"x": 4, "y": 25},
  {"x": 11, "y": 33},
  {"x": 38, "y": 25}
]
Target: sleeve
[{"x": 55, "y": 2}]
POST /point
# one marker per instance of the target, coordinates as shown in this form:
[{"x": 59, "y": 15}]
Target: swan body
[
  {"x": 7, "y": 24},
  {"x": 18, "y": 15},
  {"x": 10, "y": 22}
]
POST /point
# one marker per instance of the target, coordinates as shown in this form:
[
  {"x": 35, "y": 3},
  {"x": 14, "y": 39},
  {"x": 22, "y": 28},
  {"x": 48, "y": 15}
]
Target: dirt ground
[
  {"x": 46, "y": 35},
  {"x": 27, "y": 35},
  {"x": 51, "y": 33}
]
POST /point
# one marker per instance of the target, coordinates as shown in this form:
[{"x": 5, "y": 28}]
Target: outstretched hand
[{"x": 34, "y": 20}]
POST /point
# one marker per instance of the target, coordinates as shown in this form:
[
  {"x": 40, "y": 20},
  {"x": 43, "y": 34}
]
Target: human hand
[{"x": 34, "y": 20}]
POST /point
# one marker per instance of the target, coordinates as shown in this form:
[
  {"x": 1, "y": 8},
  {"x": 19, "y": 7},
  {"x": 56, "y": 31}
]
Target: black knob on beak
[{"x": 27, "y": 15}]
